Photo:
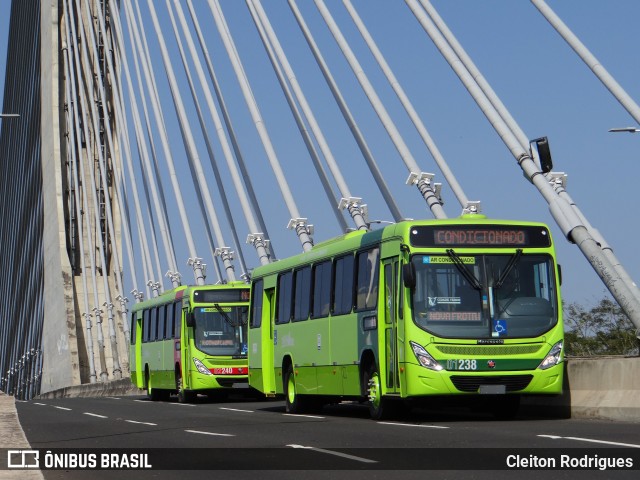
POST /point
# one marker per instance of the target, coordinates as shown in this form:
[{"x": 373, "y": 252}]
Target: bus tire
[
  {"x": 378, "y": 405},
  {"x": 294, "y": 403},
  {"x": 184, "y": 396},
  {"x": 153, "y": 394}
]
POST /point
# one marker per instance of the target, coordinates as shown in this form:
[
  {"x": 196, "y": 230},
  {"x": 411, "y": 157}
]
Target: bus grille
[
  {"x": 489, "y": 350},
  {"x": 512, "y": 383}
]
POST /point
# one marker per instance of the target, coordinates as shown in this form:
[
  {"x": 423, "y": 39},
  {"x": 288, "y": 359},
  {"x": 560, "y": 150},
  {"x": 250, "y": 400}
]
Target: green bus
[
  {"x": 190, "y": 340},
  {"x": 419, "y": 309}
]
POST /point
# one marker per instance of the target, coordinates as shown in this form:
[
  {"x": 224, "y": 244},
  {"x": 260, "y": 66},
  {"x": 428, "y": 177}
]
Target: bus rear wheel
[{"x": 153, "y": 394}]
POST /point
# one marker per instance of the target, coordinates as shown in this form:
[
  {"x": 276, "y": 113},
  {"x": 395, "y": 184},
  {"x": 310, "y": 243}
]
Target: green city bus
[
  {"x": 419, "y": 309},
  {"x": 190, "y": 340}
]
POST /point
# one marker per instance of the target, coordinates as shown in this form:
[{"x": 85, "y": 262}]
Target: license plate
[{"x": 230, "y": 371}]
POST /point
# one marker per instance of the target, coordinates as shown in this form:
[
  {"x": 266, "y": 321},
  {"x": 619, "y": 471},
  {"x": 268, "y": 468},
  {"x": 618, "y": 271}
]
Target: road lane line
[
  {"x": 411, "y": 425},
  {"x": 142, "y": 423},
  {"x": 235, "y": 409},
  {"x": 61, "y": 408},
  {"x": 114, "y": 398},
  {"x": 211, "y": 433},
  {"x": 182, "y": 404},
  {"x": 43, "y": 404},
  {"x": 337, "y": 454},
  {"x": 94, "y": 415},
  {"x": 296, "y": 415},
  {"x": 592, "y": 440}
]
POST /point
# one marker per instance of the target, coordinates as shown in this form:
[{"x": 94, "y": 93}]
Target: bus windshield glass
[
  {"x": 484, "y": 296},
  {"x": 221, "y": 330}
]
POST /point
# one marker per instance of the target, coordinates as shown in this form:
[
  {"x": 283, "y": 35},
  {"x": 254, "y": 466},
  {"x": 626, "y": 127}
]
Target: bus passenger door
[
  {"x": 268, "y": 317},
  {"x": 390, "y": 368}
]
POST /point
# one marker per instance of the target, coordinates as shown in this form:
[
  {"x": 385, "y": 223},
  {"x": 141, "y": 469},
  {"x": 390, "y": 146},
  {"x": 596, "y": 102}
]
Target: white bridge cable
[
  {"x": 102, "y": 99},
  {"x": 280, "y": 62},
  {"x": 408, "y": 106},
  {"x": 195, "y": 167},
  {"x": 194, "y": 260},
  {"x": 73, "y": 139},
  {"x": 222, "y": 251},
  {"x": 122, "y": 132},
  {"x": 145, "y": 163},
  {"x": 618, "y": 92},
  {"x": 103, "y": 168},
  {"x": 299, "y": 224},
  {"x": 308, "y": 141},
  {"x": 562, "y": 212},
  {"x": 259, "y": 236},
  {"x": 77, "y": 114},
  {"x": 92, "y": 114},
  {"x": 260, "y": 246},
  {"x": 557, "y": 180},
  {"x": 589, "y": 59},
  {"x": 203, "y": 194},
  {"x": 143, "y": 238},
  {"x": 346, "y": 113},
  {"x": 416, "y": 177}
]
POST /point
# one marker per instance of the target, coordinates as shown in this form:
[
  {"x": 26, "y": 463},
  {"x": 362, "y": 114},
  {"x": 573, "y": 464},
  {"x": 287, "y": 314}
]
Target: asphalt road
[{"x": 247, "y": 438}]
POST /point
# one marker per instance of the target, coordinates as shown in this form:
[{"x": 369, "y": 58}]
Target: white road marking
[
  {"x": 142, "y": 423},
  {"x": 114, "y": 398},
  {"x": 338, "y": 454},
  {"x": 411, "y": 425},
  {"x": 236, "y": 410},
  {"x": 61, "y": 408},
  {"x": 36, "y": 403},
  {"x": 94, "y": 415},
  {"x": 211, "y": 433},
  {"x": 296, "y": 415},
  {"x": 592, "y": 440},
  {"x": 182, "y": 404}
]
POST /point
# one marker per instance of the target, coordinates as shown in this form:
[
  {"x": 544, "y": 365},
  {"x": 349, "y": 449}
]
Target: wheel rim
[
  {"x": 374, "y": 390},
  {"x": 291, "y": 389}
]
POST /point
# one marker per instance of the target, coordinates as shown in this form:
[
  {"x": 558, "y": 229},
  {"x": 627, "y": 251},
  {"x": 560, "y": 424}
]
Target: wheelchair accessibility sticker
[{"x": 499, "y": 328}]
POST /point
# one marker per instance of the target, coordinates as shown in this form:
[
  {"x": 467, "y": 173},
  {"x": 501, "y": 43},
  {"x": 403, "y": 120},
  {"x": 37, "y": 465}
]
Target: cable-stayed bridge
[{"x": 125, "y": 173}]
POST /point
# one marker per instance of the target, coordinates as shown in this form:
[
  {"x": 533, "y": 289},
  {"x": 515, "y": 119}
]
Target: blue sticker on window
[
  {"x": 426, "y": 259},
  {"x": 498, "y": 328}
]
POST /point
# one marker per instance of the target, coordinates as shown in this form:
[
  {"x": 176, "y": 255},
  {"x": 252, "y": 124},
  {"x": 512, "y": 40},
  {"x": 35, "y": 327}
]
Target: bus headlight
[
  {"x": 201, "y": 368},
  {"x": 553, "y": 357},
  {"x": 424, "y": 358}
]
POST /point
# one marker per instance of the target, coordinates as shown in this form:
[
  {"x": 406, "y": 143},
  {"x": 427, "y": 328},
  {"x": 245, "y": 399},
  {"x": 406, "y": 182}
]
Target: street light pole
[{"x": 625, "y": 129}]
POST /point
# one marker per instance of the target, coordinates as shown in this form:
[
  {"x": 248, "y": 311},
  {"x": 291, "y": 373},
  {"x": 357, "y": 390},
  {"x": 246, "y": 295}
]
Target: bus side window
[
  {"x": 343, "y": 286},
  {"x": 367, "y": 279},
  {"x": 133, "y": 328},
  {"x": 284, "y": 300},
  {"x": 161, "y": 320},
  {"x": 177, "y": 319},
  {"x": 321, "y": 289},
  {"x": 153, "y": 334},
  {"x": 168, "y": 326},
  {"x": 146, "y": 327},
  {"x": 302, "y": 294},
  {"x": 256, "y": 305}
]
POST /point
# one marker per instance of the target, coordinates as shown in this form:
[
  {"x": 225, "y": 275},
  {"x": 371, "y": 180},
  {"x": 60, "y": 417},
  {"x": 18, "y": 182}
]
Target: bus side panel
[
  {"x": 345, "y": 354},
  {"x": 137, "y": 372}
]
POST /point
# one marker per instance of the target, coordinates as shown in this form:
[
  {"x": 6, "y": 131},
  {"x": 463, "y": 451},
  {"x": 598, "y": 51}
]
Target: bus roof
[{"x": 182, "y": 291}]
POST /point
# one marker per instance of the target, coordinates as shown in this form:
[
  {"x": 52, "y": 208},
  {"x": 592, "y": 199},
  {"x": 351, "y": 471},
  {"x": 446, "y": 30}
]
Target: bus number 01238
[{"x": 462, "y": 364}]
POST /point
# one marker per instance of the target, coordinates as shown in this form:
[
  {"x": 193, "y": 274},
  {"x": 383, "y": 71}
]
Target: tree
[{"x": 602, "y": 330}]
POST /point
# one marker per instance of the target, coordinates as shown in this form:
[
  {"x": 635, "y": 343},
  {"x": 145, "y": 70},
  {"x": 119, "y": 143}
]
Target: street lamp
[{"x": 625, "y": 129}]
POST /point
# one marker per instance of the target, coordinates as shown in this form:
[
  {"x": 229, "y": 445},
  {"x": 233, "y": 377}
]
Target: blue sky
[{"x": 543, "y": 83}]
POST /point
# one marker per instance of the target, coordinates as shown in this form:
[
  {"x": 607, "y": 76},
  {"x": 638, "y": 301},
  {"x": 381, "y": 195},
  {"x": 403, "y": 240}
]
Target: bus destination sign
[{"x": 480, "y": 236}]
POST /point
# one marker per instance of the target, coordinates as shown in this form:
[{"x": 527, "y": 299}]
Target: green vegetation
[{"x": 602, "y": 330}]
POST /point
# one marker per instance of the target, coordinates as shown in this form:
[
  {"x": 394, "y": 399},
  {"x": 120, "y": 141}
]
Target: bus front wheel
[{"x": 184, "y": 396}]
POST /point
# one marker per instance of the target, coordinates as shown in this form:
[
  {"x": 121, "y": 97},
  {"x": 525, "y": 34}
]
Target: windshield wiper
[
  {"x": 224, "y": 314},
  {"x": 507, "y": 270},
  {"x": 464, "y": 270}
]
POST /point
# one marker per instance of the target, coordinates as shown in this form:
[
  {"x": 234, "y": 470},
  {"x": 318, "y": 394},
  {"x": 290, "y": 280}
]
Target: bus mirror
[
  {"x": 189, "y": 320},
  {"x": 409, "y": 275},
  {"x": 560, "y": 274}
]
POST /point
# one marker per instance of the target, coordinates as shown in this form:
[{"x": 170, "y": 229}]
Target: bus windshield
[
  {"x": 221, "y": 330},
  {"x": 484, "y": 296}
]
